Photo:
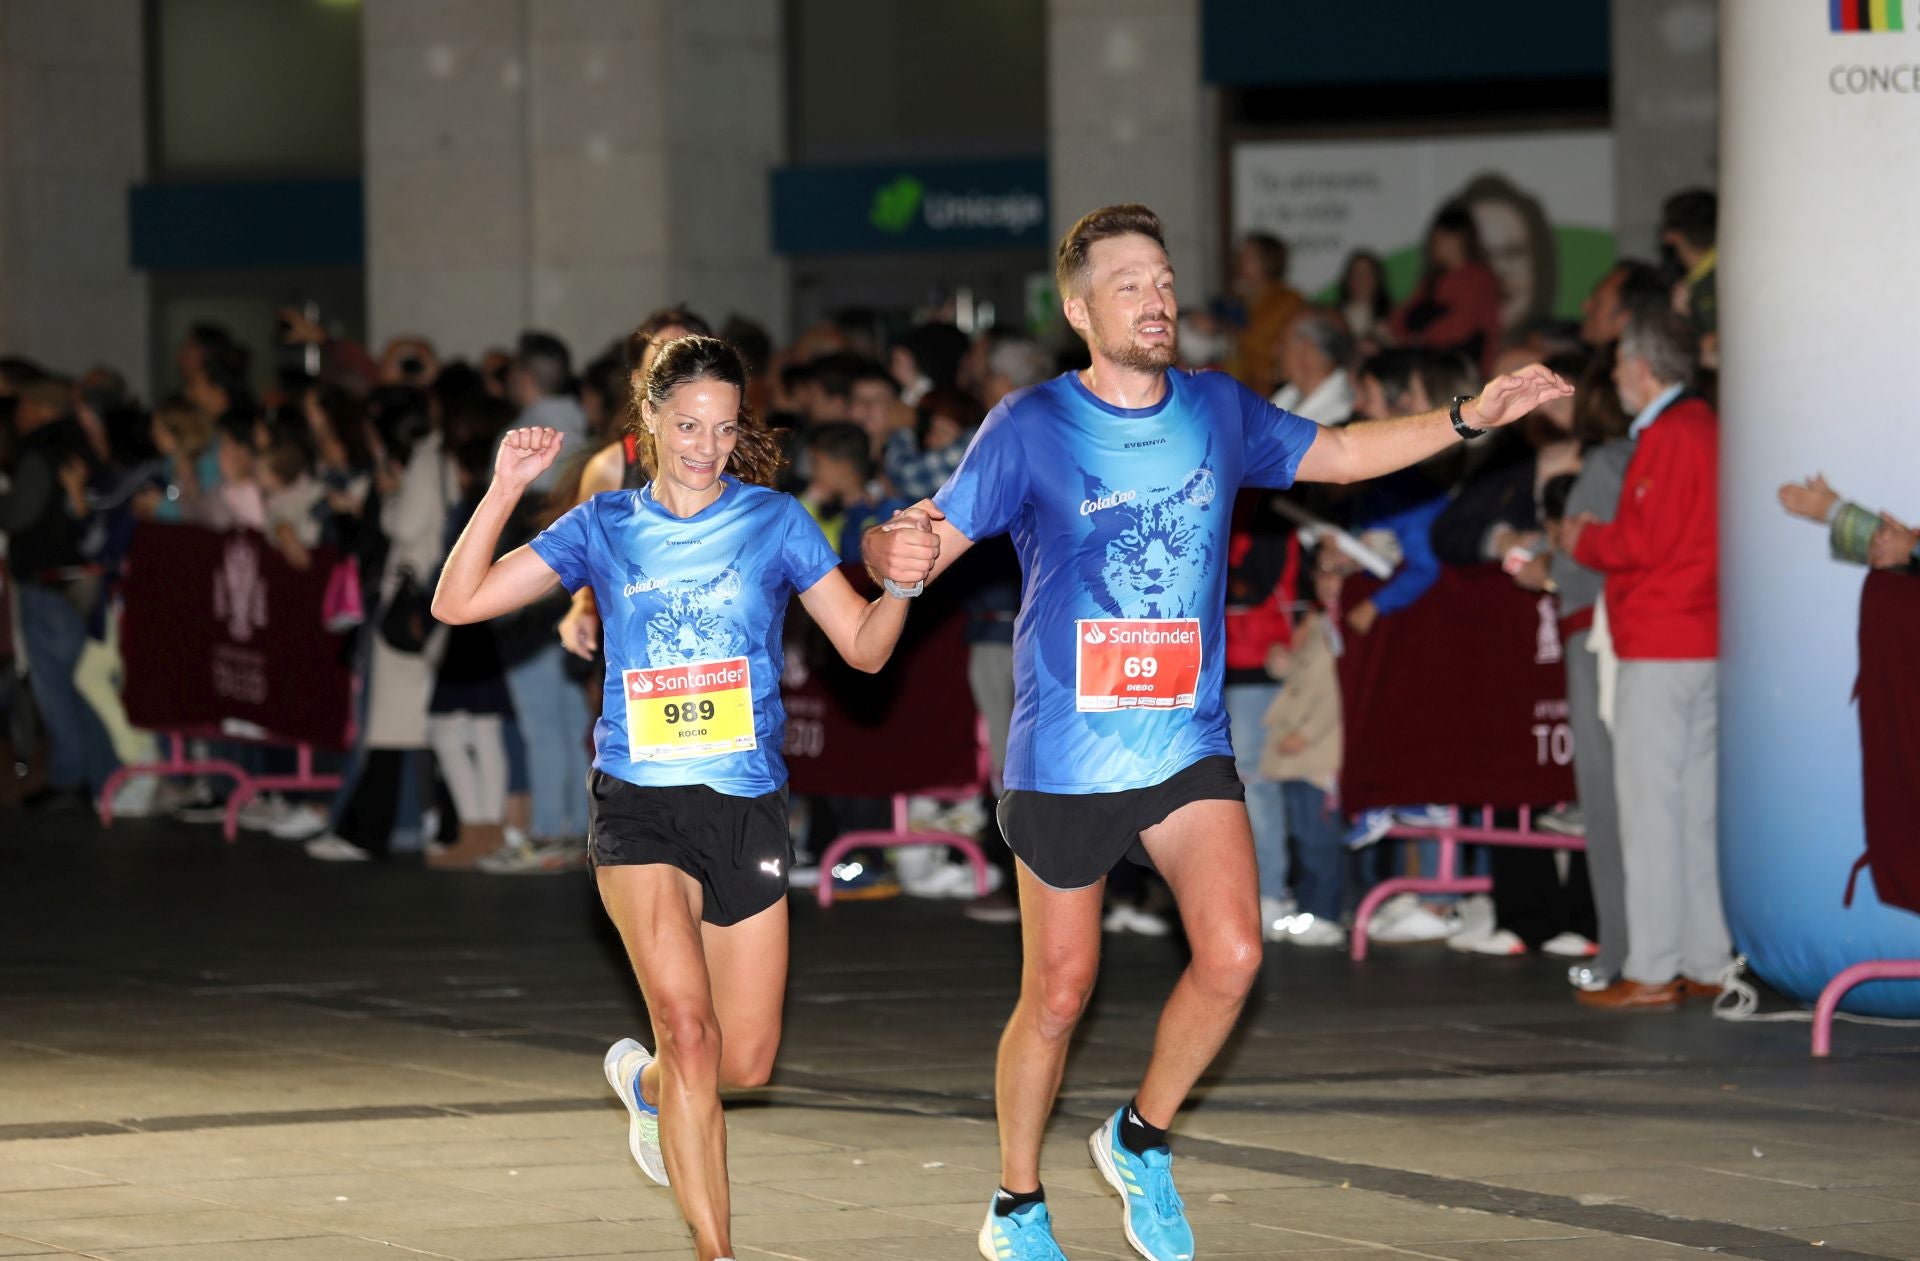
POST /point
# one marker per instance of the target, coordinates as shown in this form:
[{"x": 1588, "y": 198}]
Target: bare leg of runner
[
  {"x": 657, "y": 910},
  {"x": 1060, "y": 932},
  {"x": 1204, "y": 851}
]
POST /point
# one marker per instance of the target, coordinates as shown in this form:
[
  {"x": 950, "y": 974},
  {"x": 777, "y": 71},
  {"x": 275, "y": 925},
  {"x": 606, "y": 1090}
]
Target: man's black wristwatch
[{"x": 1461, "y": 427}]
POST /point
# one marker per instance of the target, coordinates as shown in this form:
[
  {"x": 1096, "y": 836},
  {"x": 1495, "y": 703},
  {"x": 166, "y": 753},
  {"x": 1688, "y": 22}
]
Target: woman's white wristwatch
[{"x": 899, "y": 592}]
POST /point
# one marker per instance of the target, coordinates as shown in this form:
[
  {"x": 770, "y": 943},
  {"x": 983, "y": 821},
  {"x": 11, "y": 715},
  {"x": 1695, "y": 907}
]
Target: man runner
[{"x": 1117, "y": 484}]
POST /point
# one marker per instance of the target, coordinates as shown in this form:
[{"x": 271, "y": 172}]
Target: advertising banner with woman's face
[{"x": 1543, "y": 203}]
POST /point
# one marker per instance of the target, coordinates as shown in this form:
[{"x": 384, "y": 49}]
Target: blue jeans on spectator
[
  {"x": 79, "y": 750},
  {"x": 1266, "y": 809},
  {"x": 552, "y": 714},
  {"x": 1320, "y": 837}
]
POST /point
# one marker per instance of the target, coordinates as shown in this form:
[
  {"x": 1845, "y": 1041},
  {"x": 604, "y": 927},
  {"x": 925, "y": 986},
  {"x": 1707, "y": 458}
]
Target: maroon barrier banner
[
  {"x": 908, "y": 728},
  {"x": 1889, "y": 697},
  {"x": 218, "y": 626},
  {"x": 1460, "y": 698}
]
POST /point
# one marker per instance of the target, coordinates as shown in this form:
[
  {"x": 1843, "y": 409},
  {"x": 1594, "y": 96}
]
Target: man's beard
[{"x": 1134, "y": 357}]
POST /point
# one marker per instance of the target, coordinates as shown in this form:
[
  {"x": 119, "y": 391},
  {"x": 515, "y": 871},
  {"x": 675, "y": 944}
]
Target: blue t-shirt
[
  {"x": 691, "y": 612},
  {"x": 1121, "y": 518}
]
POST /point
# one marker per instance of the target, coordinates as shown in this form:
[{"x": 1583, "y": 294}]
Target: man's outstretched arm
[{"x": 1375, "y": 448}]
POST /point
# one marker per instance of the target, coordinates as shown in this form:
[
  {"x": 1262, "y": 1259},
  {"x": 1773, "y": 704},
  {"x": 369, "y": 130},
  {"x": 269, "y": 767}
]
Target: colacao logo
[{"x": 895, "y": 204}]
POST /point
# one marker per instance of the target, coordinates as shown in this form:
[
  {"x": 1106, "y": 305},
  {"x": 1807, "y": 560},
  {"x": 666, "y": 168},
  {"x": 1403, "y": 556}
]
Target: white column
[
  {"x": 1130, "y": 120},
  {"x": 1821, "y": 153},
  {"x": 72, "y": 143}
]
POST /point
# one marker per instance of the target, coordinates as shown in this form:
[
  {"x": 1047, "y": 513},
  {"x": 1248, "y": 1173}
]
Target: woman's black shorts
[
  {"x": 736, "y": 847},
  {"x": 1070, "y": 840}
]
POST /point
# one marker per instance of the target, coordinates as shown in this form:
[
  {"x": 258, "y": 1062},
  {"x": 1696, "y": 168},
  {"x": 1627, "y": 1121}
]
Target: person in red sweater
[
  {"x": 1456, "y": 305},
  {"x": 1660, "y": 555}
]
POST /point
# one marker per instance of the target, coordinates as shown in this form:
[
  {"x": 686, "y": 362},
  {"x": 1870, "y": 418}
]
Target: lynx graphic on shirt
[
  {"x": 690, "y": 622},
  {"x": 1147, "y": 555}
]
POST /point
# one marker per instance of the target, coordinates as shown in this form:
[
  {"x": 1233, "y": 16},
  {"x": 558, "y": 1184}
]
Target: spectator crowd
[{"x": 472, "y": 742}]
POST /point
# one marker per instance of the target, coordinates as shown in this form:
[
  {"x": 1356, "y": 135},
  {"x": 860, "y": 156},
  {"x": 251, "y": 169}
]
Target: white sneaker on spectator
[
  {"x": 1501, "y": 941},
  {"x": 300, "y": 822},
  {"x": 1406, "y": 921},
  {"x": 548, "y": 858},
  {"x": 1570, "y": 946},
  {"x": 1424, "y": 816},
  {"x": 919, "y": 868},
  {"x": 199, "y": 804},
  {"x": 1315, "y": 933},
  {"x": 336, "y": 849},
  {"x": 1276, "y": 915},
  {"x": 137, "y": 798},
  {"x": 1566, "y": 821},
  {"x": 263, "y": 812},
  {"x": 1476, "y": 923},
  {"x": 1131, "y": 919}
]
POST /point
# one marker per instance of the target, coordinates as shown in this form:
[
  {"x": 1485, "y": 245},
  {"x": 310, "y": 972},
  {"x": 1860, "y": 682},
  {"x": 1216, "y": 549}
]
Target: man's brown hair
[{"x": 1070, "y": 271}]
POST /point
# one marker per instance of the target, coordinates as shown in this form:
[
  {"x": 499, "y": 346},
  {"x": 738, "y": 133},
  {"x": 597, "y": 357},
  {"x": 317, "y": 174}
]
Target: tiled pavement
[{"x": 213, "y": 1053}]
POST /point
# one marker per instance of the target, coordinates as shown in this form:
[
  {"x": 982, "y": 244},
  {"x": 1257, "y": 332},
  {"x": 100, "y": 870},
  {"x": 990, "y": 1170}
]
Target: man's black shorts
[
  {"x": 1070, "y": 840},
  {"x": 736, "y": 847}
]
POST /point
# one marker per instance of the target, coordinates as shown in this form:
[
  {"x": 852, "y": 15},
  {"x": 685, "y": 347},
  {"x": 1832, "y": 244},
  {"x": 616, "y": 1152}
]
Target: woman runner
[{"x": 692, "y": 573}]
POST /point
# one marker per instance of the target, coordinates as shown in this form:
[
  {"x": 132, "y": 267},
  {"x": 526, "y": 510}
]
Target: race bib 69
[
  {"x": 1136, "y": 663},
  {"x": 689, "y": 711}
]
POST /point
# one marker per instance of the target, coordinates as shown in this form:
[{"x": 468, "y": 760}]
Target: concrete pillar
[
  {"x": 568, "y": 165},
  {"x": 1129, "y": 119},
  {"x": 1666, "y": 111},
  {"x": 72, "y": 142}
]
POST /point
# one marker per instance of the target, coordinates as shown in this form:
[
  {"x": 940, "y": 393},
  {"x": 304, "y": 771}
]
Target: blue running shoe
[
  {"x": 1025, "y": 1234},
  {"x": 1155, "y": 1218}
]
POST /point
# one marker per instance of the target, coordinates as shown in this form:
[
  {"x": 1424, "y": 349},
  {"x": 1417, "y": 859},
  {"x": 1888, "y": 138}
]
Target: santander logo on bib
[{"x": 1094, "y": 634}]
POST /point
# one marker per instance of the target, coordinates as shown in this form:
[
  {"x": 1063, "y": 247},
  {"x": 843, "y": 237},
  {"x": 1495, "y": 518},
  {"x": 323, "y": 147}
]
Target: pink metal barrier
[
  {"x": 1858, "y": 974},
  {"x": 1449, "y": 880},
  {"x": 179, "y": 762},
  {"x": 904, "y": 833}
]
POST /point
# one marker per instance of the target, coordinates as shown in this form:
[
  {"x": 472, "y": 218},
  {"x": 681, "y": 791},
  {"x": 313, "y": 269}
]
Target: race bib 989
[
  {"x": 1136, "y": 663},
  {"x": 676, "y": 712}
]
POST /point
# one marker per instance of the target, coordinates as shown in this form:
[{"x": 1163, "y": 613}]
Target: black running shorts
[
  {"x": 1070, "y": 840},
  {"x": 736, "y": 847}
]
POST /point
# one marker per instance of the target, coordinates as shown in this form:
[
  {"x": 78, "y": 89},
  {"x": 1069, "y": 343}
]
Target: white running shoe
[
  {"x": 301, "y": 822},
  {"x": 1131, "y": 919},
  {"x": 1276, "y": 916},
  {"x": 1477, "y": 923},
  {"x": 1502, "y": 941},
  {"x": 623, "y": 1063},
  {"x": 1405, "y": 921},
  {"x": 1315, "y": 933},
  {"x": 1570, "y": 946},
  {"x": 336, "y": 849},
  {"x": 1567, "y": 821},
  {"x": 263, "y": 813}
]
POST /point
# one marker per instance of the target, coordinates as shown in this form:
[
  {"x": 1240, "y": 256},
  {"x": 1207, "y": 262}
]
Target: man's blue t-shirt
[
  {"x": 1121, "y": 518},
  {"x": 691, "y": 612}
]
